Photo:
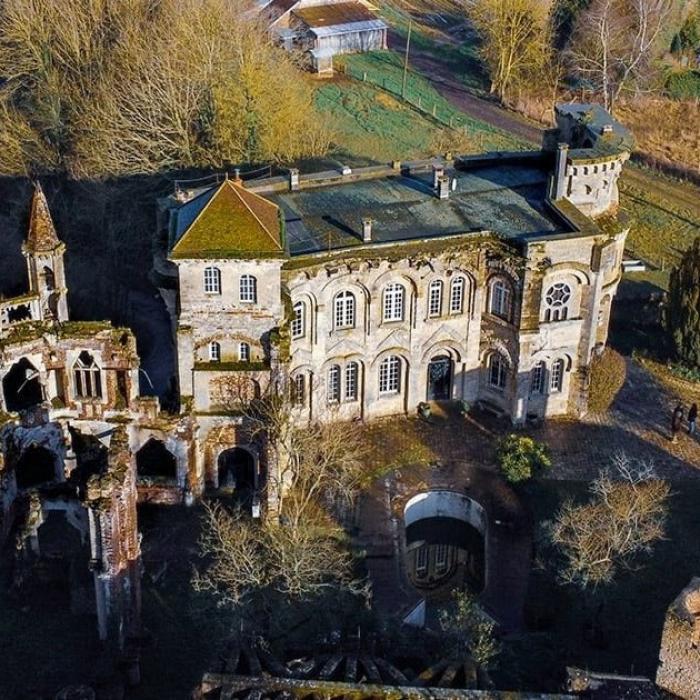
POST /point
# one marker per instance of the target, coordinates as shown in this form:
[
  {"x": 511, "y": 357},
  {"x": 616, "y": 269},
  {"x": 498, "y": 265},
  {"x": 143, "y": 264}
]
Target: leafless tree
[
  {"x": 625, "y": 517},
  {"x": 516, "y": 41},
  {"x": 615, "y": 42}
]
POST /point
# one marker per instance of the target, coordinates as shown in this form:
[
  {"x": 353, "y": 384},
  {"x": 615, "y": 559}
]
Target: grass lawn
[
  {"x": 633, "y": 608},
  {"x": 659, "y": 234}
]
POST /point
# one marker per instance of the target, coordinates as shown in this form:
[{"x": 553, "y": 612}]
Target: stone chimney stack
[
  {"x": 438, "y": 172},
  {"x": 560, "y": 171},
  {"x": 293, "y": 179},
  {"x": 443, "y": 187},
  {"x": 367, "y": 230}
]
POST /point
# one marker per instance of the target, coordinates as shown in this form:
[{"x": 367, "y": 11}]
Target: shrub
[
  {"x": 608, "y": 372},
  {"x": 683, "y": 85},
  {"x": 520, "y": 457}
]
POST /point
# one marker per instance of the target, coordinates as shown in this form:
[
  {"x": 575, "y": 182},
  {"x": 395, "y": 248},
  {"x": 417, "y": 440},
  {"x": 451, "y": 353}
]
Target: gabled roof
[
  {"x": 42, "y": 235},
  {"x": 227, "y": 221}
]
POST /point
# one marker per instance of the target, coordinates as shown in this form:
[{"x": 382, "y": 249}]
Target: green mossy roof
[{"x": 234, "y": 222}]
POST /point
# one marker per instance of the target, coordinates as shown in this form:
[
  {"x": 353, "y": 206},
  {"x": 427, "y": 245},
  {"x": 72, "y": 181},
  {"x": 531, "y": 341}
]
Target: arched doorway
[
  {"x": 440, "y": 378},
  {"x": 21, "y": 386},
  {"x": 36, "y": 466},
  {"x": 154, "y": 460},
  {"x": 236, "y": 473}
]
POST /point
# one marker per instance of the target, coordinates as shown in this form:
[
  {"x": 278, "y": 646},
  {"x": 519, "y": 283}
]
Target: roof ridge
[{"x": 257, "y": 218}]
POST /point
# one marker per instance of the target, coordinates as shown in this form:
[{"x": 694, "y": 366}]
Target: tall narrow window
[
  {"x": 344, "y": 311},
  {"x": 557, "y": 298},
  {"x": 556, "y": 379},
  {"x": 501, "y": 299},
  {"x": 351, "y": 381},
  {"x": 298, "y": 320},
  {"x": 393, "y": 302},
  {"x": 244, "y": 352},
  {"x": 248, "y": 289},
  {"x": 298, "y": 390},
  {"x": 390, "y": 375},
  {"x": 498, "y": 371},
  {"x": 435, "y": 298},
  {"x": 457, "y": 296},
  {"x": 88, "y": 381},
  {"x": 214, "y": 352},
  {"x": 333, "y": 384},
  {"x": 212, "y": 280},
  {"x": 537, "y": 379}
]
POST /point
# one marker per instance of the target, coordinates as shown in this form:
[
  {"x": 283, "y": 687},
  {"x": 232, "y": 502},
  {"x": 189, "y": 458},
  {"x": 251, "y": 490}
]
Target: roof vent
[
  {"x": 438, "y": 172},
  {"x": 293, "y": 179},
  {"x": 443, "y": 187},
  {"x": 366, "y": 230}
]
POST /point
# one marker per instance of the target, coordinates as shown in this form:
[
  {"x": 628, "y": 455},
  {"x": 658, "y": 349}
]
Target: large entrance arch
[
  {"x": 154, "y": 460},
  {"x": 236, "y": 474},
  {"x": 21, "y": 386},
  {"x": 35, "y": 467},
  {"x": 440, "y": 378}
]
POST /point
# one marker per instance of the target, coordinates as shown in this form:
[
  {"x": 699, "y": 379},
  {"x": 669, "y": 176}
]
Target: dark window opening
[
  {"x": 154, "y": 460},
  {"x": 36, "y": 466},
  {"x": 15, "y": 314},
  {"x": 21, "y": 386},
  {"x": 236, "y": 472}
]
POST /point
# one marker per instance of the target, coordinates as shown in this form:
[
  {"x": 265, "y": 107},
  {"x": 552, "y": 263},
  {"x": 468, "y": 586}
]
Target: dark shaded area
[
  {"x": 237, "y": 470},
  {"x": 21, "y": 386},
  {"x": 91, "y": 455},
  {"x": 154, "y": 460},
  {"x": 35, "y": 467}
]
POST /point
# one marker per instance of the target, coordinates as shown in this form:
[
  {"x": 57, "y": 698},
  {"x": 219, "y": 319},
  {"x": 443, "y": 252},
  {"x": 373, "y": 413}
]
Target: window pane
[
  {"x": 244, "y": 352},
  {"x": 212, "y": 280},
  {"x": 334, "y": 384},
  {"x": 557, "y": 377},
  {"x": 435, "y": 298},
  {"x": 389, "y": 380},
  {"x": 351, "y": 373},
  {"x": 248, "y": 289},
  {"x": 344, "y": 310},
  {"x": 297, "y": 326},
  {"x": 457, "y": 296},
  {"x": 393, "y": 302}
]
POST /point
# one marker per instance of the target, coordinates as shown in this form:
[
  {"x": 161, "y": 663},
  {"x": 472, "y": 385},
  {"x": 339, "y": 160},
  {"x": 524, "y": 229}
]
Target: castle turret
[{"x": 44, "y": 254}]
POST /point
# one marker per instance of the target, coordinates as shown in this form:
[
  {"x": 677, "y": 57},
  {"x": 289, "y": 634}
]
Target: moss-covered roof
[
  {"x": 42, "y": 233},
  {"x": 227, "y": 221}
]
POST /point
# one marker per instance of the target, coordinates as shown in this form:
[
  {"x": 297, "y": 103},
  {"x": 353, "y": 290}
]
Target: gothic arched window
[{"x": 88, "y": 380}]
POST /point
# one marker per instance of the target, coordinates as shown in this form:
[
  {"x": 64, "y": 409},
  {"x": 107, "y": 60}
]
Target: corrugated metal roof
[{"x": 369, "y": 25}]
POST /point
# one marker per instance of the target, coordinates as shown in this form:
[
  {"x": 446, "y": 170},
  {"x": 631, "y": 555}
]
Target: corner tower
[{"x": 44, "y": 254}]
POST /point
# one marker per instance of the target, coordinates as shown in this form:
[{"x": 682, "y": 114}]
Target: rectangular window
[
  {"x": 334, "y": 384},
  {"x": 556, "y": 379},
  {"x": 393, "y": 303},
  {"x": 297, "y": 326},
  {"x": 212, "y": 280},
  {"x": 537, "y": 383},
  {"x": 457, "y": 296},
  {"x": 248, "y": 289},
  {"x": 389, "y": 379},
  {"x": 435, "y": 299},
  {"x": 298, "y": 390},
  {"x": 351, "y": 381},
  {"x": 244, "y": 352}
]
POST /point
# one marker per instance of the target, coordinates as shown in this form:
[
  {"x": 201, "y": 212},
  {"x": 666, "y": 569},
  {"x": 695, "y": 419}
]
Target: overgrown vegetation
[
  {"x": 521, "y": 457},
  {"x": 110, "y": 87},
  {"x": 608, "y": 373},
  {"x": 683, "y": 308}
]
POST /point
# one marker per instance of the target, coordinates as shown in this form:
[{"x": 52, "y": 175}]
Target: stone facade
[
  {"x": 679, "y": 658},
  {"x": 380, "y": 316}
]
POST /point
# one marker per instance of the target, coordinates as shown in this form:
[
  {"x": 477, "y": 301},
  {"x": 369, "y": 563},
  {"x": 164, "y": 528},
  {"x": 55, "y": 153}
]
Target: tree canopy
[{"x": 683, "y": 308}]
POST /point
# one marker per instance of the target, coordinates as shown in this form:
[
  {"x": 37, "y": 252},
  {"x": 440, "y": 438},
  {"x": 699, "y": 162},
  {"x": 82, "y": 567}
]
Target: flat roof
[{"x": 506, "y": 199}]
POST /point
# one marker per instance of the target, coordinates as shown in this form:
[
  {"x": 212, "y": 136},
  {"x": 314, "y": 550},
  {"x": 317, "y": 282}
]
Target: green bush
[
  {"x": 684, "y": 85},
  {"x": 608, "y": 373},
  {"x": 520, "y": 457}
]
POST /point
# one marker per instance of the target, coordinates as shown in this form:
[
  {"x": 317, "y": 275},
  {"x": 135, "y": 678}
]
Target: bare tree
[
  {"x": 516, "y": 41},
  {"x": 623, "y": 520},
  {"x": 614, "y": 44}
]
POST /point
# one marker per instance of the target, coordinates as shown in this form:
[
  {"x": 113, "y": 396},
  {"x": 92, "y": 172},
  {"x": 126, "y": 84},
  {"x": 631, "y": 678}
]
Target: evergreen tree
[{"x": 683, "y": 308}]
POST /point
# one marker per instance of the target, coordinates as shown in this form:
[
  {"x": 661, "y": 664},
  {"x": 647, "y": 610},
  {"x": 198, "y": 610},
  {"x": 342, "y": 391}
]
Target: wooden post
[{"x": 405, "y": 60}]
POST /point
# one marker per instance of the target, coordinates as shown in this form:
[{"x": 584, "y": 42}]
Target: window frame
[
  {"x": 212, "y": 280},
  {"x": 538, "y": 377},
  {"x": 297, "y": 326},
  {"x": 556, "y": 376},
  {"x": 87, "y": 378},
  {"x": 248, "y": 289},
  {"x": 458, "y": 285},
  {"x": 344, "y": 308},
  {"x": 390, "y": 376},
  {"x": 435, "y": 294},
  {"x": 501, "y": 299},
  {"x": 298, "y": 390},
  {"x": 244, "y": 351},
  {"x": 393, "y": 303},
  {"x": 501, "y": 372},
  {"x": 214, "y": 351},
  {"x": 333, "y": 387},
  {"x": 352, "y": 381},
  {"x": 557, "y": 309}
]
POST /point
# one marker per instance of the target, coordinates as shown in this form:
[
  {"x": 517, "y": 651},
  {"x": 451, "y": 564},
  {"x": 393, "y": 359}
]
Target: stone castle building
[{"x": 486, "y": 280}]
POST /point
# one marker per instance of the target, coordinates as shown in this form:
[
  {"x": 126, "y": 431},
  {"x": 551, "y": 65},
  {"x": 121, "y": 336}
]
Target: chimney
[
  {"x": 560, "y": 171},
  {"x": 443, "y": 187},
  {"x": 366, "y": 230},
  {"x": 293, "y": 179},
  {"x": 236, "y": 175},
  {"x": 438, "y": 172}
]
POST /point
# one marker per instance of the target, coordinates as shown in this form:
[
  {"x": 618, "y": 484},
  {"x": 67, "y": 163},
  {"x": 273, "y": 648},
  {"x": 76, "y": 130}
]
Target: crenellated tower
[{"x": 45, "y": 265}]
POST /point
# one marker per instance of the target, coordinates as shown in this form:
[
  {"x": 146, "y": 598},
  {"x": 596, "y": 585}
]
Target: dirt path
[{"x": 680, "y": 195}]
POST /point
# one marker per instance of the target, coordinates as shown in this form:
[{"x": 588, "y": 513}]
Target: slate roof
[
  {"x": 592, "y": 118},
  {"x": 42, "y": 235},
  {"x": 227, "y": 221},
  {"x": 505, "y": 199}
]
